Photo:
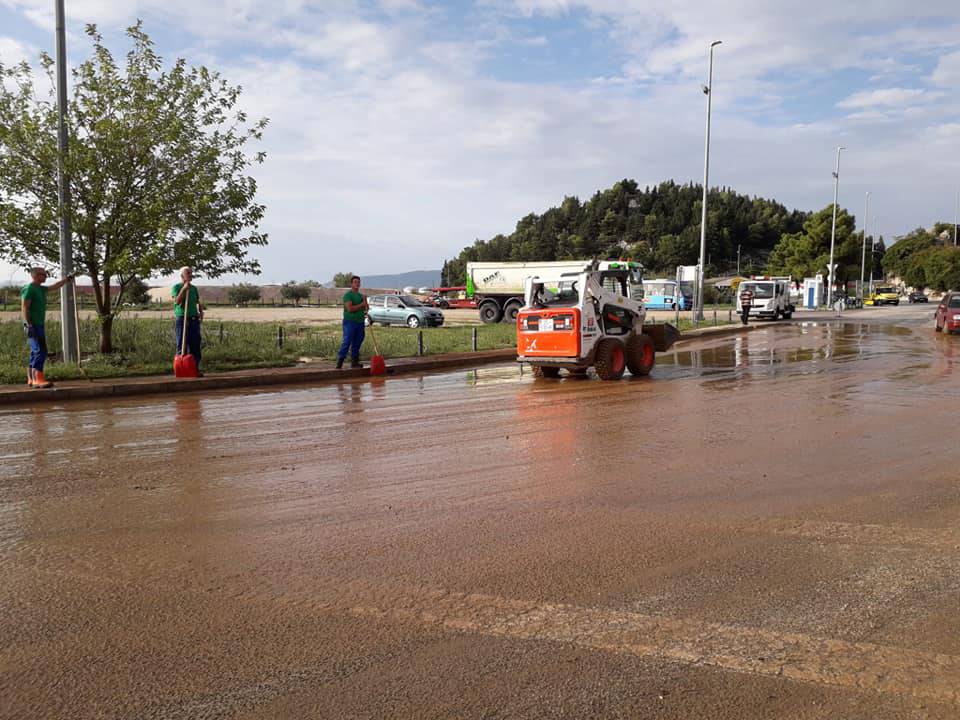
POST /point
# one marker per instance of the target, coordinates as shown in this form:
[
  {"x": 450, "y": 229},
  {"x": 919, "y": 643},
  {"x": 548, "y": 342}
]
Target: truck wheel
[
  {"x": 444, "y": 305},
  {"x": 490, "y": 312},
  {"x": 539, "y": 371},
  {"x": 611, "y": 360},
  {"x": 510, "y": 312},
  {"x": 640, "y": 354}
]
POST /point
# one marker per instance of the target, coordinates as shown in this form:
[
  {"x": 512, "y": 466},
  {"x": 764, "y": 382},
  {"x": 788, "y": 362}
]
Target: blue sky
[{"x": 402, "y": 130}]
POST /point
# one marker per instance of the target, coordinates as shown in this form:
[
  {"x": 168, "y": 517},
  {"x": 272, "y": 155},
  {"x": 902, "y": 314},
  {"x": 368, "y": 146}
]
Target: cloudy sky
[{"x": 401, "y": 130}]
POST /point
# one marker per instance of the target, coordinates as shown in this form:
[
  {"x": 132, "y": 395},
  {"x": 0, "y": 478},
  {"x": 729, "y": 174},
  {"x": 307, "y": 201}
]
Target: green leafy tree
[
  {"x": 806, "y": 253},
  {"x": 342, "y": 279},
  {"x": 295, "y": 291},
  {"x": 136, "y": 292},
  {"x": 905, "y": 254},
  {"x": 157, "y": 168},
  {"x": 243, "y": 294}
]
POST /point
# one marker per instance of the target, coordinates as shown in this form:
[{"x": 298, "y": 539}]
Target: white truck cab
[{"x": 771, "y": 297}]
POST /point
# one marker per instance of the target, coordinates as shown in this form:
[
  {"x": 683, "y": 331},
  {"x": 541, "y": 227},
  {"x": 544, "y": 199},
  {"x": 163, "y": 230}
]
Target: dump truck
[
  {"x": 498, "y": 287},
  {"x": 588, "y": 318}
]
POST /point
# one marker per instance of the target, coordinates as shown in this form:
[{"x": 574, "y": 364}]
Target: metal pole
[
  {"x": 708, "y": 91},
  {"x": 833, "y": 227},
  {"x": 956, "y": 215},
  {"x": 68, "y": 316},
  {"x": 863, "y": 259},
  {"x": 738, "y": 260},
  {"x": 873, "y": 253}
]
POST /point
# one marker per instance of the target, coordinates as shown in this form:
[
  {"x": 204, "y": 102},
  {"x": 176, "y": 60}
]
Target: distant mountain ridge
[{"x": 414, "y": 278}]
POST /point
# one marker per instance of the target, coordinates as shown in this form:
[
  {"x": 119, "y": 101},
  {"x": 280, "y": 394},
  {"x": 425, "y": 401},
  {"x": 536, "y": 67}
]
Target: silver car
[{"x": 402, "y": 310}]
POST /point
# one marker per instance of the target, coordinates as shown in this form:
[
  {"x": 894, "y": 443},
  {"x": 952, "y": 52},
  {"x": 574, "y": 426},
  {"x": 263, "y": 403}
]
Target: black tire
[
  {"x": 640, "y": 355},
  {"x": 490, "y": 312},
  {"x": 444, "y": 305},
  {"x": 896, "y": 302},
  {"x": 510, "y": 312},
  {"x": 413, "y": 322},
  {"x": 539, "y": 371},
  {"x": 611, "y": 359}
]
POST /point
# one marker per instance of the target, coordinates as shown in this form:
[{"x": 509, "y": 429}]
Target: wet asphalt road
[{"x": 768, "y": 527}]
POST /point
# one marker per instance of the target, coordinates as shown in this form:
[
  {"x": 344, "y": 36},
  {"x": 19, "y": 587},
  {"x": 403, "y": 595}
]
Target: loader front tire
[
  {"x": 539, "y": 371},
  {"x": 611, "y": 360},
  {"x": 640, "y": 354}
]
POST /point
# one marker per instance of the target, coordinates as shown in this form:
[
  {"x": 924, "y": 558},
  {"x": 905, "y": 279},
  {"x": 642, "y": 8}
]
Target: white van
[{"x": 771, "y": 297}]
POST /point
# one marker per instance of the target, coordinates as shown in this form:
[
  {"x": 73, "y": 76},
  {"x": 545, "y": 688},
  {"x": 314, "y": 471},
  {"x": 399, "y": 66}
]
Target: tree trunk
[{"x": 106, "y": 334}]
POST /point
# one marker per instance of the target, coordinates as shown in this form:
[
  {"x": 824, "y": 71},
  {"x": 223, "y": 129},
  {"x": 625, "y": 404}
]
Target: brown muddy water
[{"x": 765, "y": 527}]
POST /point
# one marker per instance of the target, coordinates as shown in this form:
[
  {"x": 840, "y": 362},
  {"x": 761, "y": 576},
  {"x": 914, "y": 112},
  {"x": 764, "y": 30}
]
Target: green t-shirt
[
  {"x": 355, "y": 298},
  {"x": 193, "y": 300},
  {"x": 37, "y": 295}
]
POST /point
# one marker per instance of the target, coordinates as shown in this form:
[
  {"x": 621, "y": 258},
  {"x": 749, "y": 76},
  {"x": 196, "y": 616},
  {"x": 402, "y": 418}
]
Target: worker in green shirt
[
  {"x": 33, "y": 307},
  {"x": 187, "y": 308},
  {"x": 354, "y": 310}
]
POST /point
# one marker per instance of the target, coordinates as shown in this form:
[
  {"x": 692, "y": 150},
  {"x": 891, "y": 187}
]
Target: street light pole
[
  {"x": 956, "y": 213},
  {"x": 863, "y": 259},
  {"x": 708, "y": 91},
  {"x": 873, "y": 253},
  {"x": 833, "y": 227},
  {"x": 68, "y": 317},
  {"x": 738, "y": 261}
]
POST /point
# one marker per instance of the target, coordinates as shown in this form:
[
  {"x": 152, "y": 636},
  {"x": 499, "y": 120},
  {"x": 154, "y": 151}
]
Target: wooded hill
[{"x": 657, "y": 226}]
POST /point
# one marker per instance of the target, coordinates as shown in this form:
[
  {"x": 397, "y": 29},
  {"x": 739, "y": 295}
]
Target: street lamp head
[
  {"x": 715, "y": 43},
  {"x": 706, "y": 90}
]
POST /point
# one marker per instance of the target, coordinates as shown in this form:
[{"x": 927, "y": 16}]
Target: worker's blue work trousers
[
  {"x": 38, "y": 347},
  {"x": 353, "y": 334},
  {"x": 193, "y": 337}
]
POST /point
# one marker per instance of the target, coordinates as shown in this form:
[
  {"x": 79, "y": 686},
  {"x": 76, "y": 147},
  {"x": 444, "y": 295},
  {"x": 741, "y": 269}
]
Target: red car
[{"x": 948, "y": 313}]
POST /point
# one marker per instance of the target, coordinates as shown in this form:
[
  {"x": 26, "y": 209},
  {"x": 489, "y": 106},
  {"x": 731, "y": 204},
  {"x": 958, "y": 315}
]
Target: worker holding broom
[
  {"x": 354, "y": 309},
  {"x": 187, "y": 296},
  {"x": 33, "y": 306}
]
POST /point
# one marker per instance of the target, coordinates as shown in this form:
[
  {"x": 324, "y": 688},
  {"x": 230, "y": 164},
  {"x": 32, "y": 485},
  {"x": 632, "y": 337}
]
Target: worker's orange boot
[{"x": 39, "y": 381}]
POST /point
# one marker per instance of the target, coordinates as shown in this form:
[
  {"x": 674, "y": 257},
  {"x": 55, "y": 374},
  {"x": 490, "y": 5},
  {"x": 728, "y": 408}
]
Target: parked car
[
  {"x": 402, "y": 310},
  {"x": 917, "y": 297},
  {"x": 947, "y": 317},
  {"x": 883, "y": 296}
]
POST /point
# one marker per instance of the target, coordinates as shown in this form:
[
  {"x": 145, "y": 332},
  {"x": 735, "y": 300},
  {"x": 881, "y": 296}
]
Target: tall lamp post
[
  {"x": 833, "y": 227},
  {"x": 863, "y": 259},
  {"x": 708, "y": 91},
  {"x": 68, "y": 317}
]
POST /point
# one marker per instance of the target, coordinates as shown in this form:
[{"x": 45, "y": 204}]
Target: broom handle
[
  {"x": 76, "y": 315},
  {"x": 374, "y": 338},
  {"x": 186, "y": 305}
]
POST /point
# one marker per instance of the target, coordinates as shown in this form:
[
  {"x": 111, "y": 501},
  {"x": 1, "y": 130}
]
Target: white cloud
[
  {"x": 13, "y": 52},
  {"x": 947, "y": 72},
  {"x": 888, "y": 97}
]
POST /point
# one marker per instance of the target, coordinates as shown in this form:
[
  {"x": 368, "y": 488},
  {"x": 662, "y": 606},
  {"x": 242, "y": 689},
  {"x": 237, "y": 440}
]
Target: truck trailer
[{"x": 498, "y": 287}]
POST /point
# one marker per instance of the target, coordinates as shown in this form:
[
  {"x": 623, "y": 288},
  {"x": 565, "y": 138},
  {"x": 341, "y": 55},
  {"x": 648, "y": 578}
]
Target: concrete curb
[{"x": 126, "y": 387}]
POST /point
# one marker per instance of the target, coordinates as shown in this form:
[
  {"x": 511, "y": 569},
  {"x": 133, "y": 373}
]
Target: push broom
[{"x": 378, "y": 366}]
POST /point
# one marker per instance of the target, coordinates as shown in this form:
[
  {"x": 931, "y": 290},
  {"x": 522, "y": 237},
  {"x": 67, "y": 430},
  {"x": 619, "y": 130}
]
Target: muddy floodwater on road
[{"x": 767, "y": 527}]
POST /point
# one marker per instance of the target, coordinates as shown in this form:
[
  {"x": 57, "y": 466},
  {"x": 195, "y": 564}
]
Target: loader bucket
[{"x": 664, "y": 335}]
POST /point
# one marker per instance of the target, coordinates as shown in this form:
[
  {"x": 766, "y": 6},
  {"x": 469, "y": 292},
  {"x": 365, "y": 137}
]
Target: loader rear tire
[
  {"x": 640, "y": 354},
  {"x": 539, "y": 371},
  {"x": 611, "y": 360}
]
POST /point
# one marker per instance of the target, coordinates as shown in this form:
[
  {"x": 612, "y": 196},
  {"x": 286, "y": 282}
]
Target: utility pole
[
  {"x": 863, "y": 259},
  {"x": 956, "y": 214},
  {"x": 708, "y": 91},
  {"x": 68, "y": 317},
  {"x": 833, "y": 228}
]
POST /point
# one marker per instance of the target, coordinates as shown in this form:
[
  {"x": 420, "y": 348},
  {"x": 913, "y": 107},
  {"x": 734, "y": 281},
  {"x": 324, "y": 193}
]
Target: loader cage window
[{"x": 615, "y": 281}]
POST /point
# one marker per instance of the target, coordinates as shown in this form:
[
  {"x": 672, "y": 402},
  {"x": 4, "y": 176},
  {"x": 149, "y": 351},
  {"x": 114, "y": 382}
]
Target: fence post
[
  {"x": 279, "y": 336},
  {"x": 714, "y": 316},
  {"x": 729, "y": 316},
  {"x": 419, "y": 342},
  {"x": 475, "y": 339},
  {"x": 221, "y": 332}
]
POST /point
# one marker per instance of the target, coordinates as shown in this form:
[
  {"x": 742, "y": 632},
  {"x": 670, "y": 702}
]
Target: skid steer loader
[{"x": 594, "y": 317}]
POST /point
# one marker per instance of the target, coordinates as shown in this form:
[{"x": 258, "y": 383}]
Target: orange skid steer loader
[{"x": 589, "y": 318}]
